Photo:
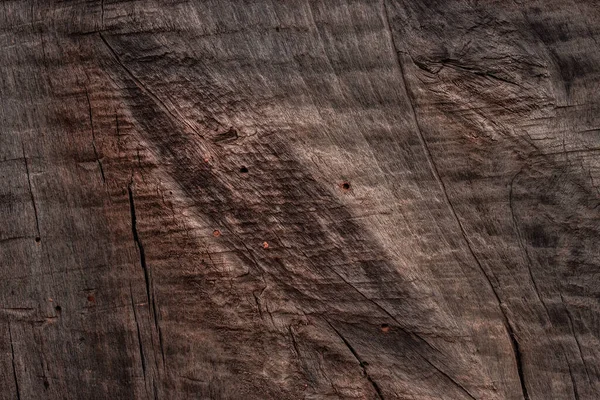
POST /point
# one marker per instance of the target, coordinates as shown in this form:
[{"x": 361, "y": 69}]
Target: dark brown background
[{"x": 461, "y": 261}]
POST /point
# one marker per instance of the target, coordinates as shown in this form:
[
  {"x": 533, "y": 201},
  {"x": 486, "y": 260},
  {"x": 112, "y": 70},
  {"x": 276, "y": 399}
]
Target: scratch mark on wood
[
  {"x": 87, "y": 96},
  {"x": 139, "y": 335},
  {"x": 35, "y": 210},
  {"x": 294, "y": 343},
  {"x": 386, "y": 312},
  {"x": 573, "y": 382},
  {"x": 360, "y": 362},
  {"x": 572, "y": 328},
  {"x": 102, "y": 14},
  {"x": 522, "y": 244},
  {"x": 146, "y": 90},
  {"x": 14, "y": 368},
  {"x": 454, "y": 382}
]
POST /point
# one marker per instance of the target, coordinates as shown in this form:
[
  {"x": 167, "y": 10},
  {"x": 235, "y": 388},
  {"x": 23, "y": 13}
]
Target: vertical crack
[
  {"x": 160, "y": 339},
  {"x": 87, "y": 96},
  {"x": 155, "y": 390},
  {"x": 140, "y": 248},
  {"x": 139, "y": 335},
  {"x": 360, "y": 362},
  {"x": 14, "y": 368},
  {"x": 432, "y": 165},
  {"x": 573, "y": 382},
  {"x": 572, "y": 328},
  {"x": 518, "y": 356},
  {"x": 102, "y": 14},
  {"x": 521, "y": 243},
  {"x": 35, "y": 211},
  {"x": 147, "y": 276},
  {"x": 294, "y": 343}
]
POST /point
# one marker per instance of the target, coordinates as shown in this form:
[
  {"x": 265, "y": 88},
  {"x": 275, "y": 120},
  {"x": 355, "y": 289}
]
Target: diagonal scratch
[
  {"x": 87, "y": 96},
  {"x": 14, "y": 369},
  {"x": 457, "y": 384},
  {"x": 35, "y": 211},
  {"x": 145, "y": 89},
  {"x": 360, "y": 362}
]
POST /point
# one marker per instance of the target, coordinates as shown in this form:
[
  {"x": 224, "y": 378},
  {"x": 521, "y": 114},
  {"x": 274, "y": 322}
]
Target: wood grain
[{"x": 341, "y": 199}]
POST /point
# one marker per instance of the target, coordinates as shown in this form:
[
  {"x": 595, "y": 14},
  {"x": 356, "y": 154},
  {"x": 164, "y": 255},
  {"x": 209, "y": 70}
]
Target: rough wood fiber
[{"x": 339, "y": 199}]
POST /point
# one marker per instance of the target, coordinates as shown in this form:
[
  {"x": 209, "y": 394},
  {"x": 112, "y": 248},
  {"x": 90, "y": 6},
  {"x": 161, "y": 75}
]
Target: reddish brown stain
[
  {"x": 385, "y": 328},
  {"x": 216, "y": 233},
  {"x": 91, "y": 298},
  {"x": 265, "y": 245}
]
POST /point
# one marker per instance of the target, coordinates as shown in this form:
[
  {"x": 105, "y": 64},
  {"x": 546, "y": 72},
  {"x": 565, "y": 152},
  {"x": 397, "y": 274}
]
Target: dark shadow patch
[
  {"x": 328, "y": 246},
  {"x": 539, "y": 237}
]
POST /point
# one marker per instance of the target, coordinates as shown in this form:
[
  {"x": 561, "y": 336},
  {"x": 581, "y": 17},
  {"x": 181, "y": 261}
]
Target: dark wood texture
[{"x": 264, "y": 199}]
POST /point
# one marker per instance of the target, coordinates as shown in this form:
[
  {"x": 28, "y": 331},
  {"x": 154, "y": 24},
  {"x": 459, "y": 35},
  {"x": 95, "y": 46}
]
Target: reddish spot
[
  {"x": 265, "y": 245},
  {"x": 216, "y": 233},
  {"x": 91, "y": 298},
  {"x": 385, "y": 328}
]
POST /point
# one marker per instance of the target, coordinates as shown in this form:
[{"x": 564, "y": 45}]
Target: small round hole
[
  {"x": 243, "y": 170},
  {"x": 346, "y": 186},
  {"x": 58, "y": 308},
  {"x": 38, "y": 239},
  {"x": 385, "y": 328}
]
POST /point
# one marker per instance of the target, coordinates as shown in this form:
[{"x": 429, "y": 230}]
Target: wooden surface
[{"x": 264, "y": 199}]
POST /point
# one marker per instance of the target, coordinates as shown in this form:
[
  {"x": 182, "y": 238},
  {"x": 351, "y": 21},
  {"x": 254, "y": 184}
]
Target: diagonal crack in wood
[
  {"x": 507, "y": 324},
  {"x": 360, "y": 362}
]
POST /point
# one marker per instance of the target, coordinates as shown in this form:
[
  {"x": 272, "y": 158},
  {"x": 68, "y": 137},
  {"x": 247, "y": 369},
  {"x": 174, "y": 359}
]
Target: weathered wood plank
[{"x": 302, "y": 199}]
